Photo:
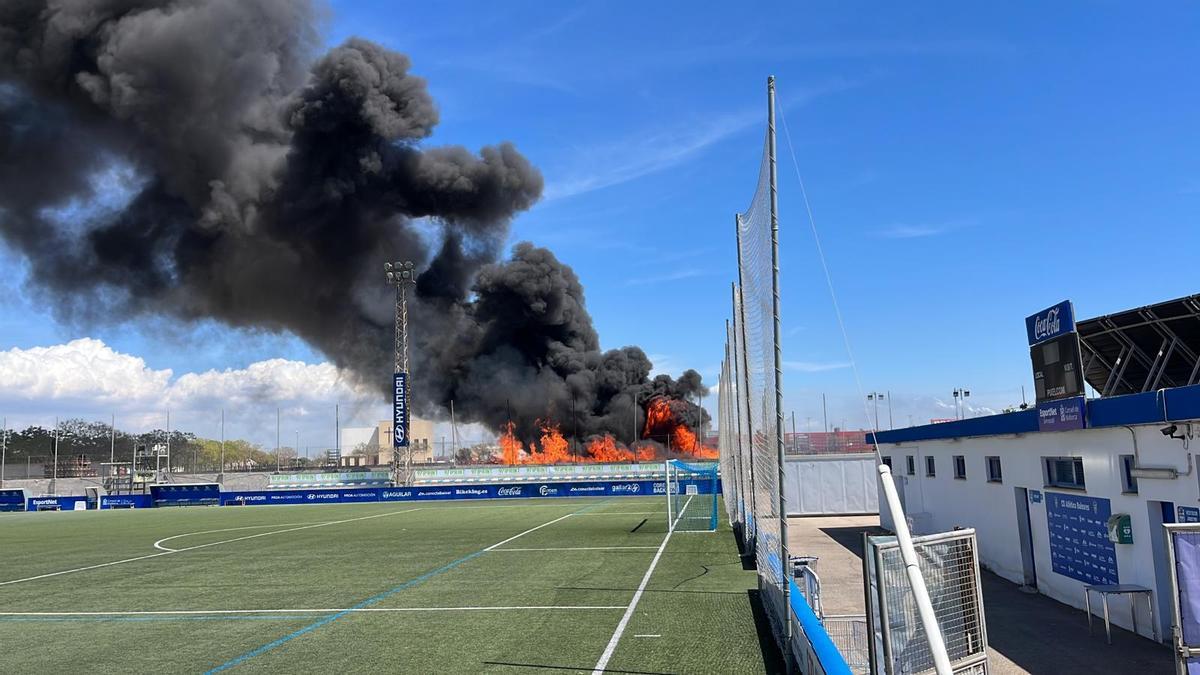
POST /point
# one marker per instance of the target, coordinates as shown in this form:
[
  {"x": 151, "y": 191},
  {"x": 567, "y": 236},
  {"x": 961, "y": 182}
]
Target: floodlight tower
[{"x": 401, "y": 275}]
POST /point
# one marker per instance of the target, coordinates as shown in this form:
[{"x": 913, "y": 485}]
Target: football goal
[{"x": 691, "y": 496}]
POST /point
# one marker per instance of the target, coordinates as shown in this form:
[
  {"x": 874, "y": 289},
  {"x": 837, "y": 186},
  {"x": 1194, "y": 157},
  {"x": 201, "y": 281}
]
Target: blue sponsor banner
[
  {"x": 1064, "y": 415},
  {"x": 1079, "y": 545},
  {"x": 57, "y": 504},
  {"x": 13, "y": 499},
  {"x": 400, "y": 410},
  {"x": 1050, "y": 322},
  {"x": 125, "y": 501},
  {"x": 631, "y": 488}
]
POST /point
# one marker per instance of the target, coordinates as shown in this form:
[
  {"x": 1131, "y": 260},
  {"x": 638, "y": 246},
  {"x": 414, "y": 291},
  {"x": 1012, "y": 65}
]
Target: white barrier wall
[
  {"x": 944, "y": 502},
  {"x": 831, "y": 484}
]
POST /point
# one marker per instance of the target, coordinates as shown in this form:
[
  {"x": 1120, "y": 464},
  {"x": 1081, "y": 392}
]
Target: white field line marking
[
  {"x": 679, "y": 516},
  {"x": 495, "y": 546},
  {"x": 616, "y": 636},
  {"x": 647, "y": 635},
  {"x": 325, "y": 610},
  {"x": 198, "y": 546},
  {"x": 624, "y": 513},
  {"x": 158, "y": 544},
  {"x": 581, "y": 548}
]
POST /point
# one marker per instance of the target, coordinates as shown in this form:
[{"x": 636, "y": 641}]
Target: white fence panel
[{"x": 845, "y": 484}]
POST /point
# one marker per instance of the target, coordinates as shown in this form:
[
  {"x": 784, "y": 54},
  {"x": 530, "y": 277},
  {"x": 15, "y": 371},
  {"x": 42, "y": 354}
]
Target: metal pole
[
  {"x": 783, "y": 524},
  {"x": 54, "y": 471},
  {"x": 4, "y": 450},
  {"x": 891, "y": 425},
  {"x": 745, "y": 384},
  {"x": 337, "y": 432},
  {"x": 221, "y": 473},
  {"x": 168, "y": 441},
  {"x": 112, "y": 447},
  {"x": 824, "y": 413},
  {"x": 277, "y": 440},
  {"x": 453, "y": 434},
  {"x": 795, "y": 440},
  {"x": 735, "y": 444}
]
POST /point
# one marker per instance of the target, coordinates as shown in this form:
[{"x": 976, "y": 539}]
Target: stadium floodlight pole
[
  {"x": 112, "y": 441},
  {"x": 875, "y": 397},
  {"x": 168, "y": 441},
  {"x": 3, "y": 449},
  {"x": 891, "y": 424},
  {"x": 221, "y": 473},
  {"x": 54, "y": 471},
  {"x": 781, "y": 478},
  {"x": 277, "y": 440},
  {"x": 402, "y": 275}
]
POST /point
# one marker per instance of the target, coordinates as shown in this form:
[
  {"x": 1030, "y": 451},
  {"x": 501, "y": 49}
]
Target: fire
[
  {"x": 555, "y": 448},
  {"x": 663, "y": 426},
  {"x": 511, "y": 449}
]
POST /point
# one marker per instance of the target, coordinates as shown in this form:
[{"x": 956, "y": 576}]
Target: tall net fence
[{"x": 750, "y": 450}]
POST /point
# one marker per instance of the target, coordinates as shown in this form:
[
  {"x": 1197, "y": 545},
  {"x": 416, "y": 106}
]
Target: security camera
[{"x": 1168, "y": 431}]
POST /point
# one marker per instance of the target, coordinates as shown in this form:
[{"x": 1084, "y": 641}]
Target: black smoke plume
[{"x": 269, "y": 183}]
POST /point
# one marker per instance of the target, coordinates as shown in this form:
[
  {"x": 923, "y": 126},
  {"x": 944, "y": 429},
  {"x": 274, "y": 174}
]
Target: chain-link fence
[{"x": 950, "y": 567}]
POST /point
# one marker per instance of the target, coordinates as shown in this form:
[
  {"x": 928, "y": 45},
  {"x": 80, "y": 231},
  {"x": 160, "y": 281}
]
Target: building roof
[
  {"x": 1152, "y": 407},
  {"x": 1142, "y": 349}
]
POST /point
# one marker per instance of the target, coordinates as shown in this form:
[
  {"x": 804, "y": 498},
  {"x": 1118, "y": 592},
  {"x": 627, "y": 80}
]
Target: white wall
[
  {"x": 990, "y": 508},
  {"x": 838, "y": 484}
]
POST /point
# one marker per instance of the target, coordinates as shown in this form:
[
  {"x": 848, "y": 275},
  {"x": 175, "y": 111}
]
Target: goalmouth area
[{"x": 514, "y": 586}]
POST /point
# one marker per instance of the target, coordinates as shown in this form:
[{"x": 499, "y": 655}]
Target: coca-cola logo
[
  {"x": 508, "y": 492},
  {"x": 1047, "y": 325}
]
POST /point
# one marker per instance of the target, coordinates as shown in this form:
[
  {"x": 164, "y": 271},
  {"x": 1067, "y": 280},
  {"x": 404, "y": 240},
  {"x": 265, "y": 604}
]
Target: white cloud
[
  {"x": 87, "y": 378},
  {"x": 815, "y": 366}
]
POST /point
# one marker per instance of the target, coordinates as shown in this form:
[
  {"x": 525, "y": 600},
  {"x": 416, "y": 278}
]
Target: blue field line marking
[
  {"x": 289, "y": 617},
  {"x": 365, "y": 603}
]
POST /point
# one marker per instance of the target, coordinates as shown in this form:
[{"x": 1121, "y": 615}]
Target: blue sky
[{"x": 967, "y": 165}]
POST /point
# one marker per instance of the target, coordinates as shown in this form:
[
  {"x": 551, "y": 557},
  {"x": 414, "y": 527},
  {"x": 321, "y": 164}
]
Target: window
[
  {"x": 912, "y": 465},
  {"x": 960, "y": 467},
  {"x": 887, "y": 460},
  {"x": 1128, "y": 480},
  {"x": 1064, "y": 472},
  {"x": 993, "y": 470},
  {"x": 930, "y": 469}
]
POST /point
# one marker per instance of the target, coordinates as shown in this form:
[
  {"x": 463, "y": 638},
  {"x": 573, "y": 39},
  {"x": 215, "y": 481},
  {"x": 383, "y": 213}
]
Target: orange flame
[
  {"x": 511, "y": 449},
  {"x": 554, "y": 447}
]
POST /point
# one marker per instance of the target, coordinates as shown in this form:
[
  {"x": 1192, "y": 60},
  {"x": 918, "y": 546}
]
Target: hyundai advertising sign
[
  {"x": 400, "y": 410},
  {"x": 1050, "y": 322}
]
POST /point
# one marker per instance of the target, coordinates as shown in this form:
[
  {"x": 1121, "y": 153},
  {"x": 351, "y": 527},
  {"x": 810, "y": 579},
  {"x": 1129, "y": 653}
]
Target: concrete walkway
[{"x": 1027, "y": 633}]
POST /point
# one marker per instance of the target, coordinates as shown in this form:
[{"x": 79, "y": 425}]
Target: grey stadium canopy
[{"x": 1142, "y": 349}]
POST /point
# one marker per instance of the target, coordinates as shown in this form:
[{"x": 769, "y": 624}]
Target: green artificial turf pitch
[{"x": 516, "y": 586}]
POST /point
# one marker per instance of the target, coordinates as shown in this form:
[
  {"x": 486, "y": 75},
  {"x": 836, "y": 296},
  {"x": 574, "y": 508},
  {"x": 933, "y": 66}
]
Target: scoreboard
[{"x": 1054, "y": 351}]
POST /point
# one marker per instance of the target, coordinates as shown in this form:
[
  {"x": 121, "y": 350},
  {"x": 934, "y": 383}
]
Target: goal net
[{"x": 691, "y": 496}]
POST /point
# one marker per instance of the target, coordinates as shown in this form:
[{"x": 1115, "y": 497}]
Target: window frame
[
  {"x": 1129, "y": 482},
  {"x": 910, "y": 464},
  {"x": 930, "y": 466},
  {"x": 887, "y": 460},
  {"x": 1050, "y": 466},
  {"x": 959, "y": 462},
  {"x": 998, "y": 475}
]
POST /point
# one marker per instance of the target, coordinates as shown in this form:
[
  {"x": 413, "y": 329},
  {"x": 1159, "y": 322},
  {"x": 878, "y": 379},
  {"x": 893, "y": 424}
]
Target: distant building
[
  {"x": 825, "y": 442},
  {"x": 372, "y": 446}
]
